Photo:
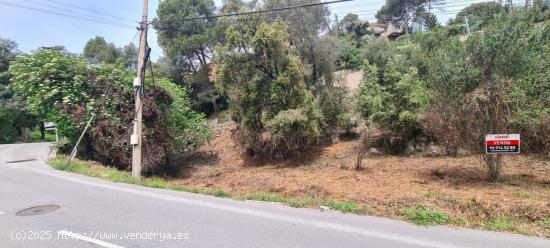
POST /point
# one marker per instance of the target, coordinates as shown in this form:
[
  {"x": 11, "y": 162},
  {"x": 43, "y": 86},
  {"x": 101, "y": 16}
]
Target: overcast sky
[{"x": 32, "y": 29}]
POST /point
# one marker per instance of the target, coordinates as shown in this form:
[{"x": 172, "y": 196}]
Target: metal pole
[
  {"x": 74, "y": 151},
  {"x": 136, "y": 139}
]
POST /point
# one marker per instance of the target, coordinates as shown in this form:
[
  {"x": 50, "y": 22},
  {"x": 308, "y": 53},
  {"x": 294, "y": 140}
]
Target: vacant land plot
[{"x": 421, "y": 189}]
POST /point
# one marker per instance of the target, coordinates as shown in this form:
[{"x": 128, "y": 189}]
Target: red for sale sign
[{"x": 502, "y": 143}]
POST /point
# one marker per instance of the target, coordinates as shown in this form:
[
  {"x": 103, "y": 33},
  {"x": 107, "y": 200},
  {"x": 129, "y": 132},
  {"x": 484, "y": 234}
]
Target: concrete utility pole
[{"x": 136, "y": 139}]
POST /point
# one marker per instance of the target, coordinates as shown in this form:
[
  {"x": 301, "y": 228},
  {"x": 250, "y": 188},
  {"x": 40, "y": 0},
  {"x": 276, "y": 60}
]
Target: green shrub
[
  {"x": 394, "y": 102},
  {"x": 268, "y": 96},
  {"x": 348, "y": 122},
  {"x": 69, "y": 91},
  {"x": 187, "y": 127},
  {"x": 421, "y": 215},
  {"x": 496, "y": 81},
  {"x": 503, "y": 224},
  {"x": 222, "y": 194}
]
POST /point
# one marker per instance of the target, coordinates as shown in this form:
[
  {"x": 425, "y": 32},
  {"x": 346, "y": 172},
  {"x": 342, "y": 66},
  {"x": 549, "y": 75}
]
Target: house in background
[{"x": 390, "y": 31}]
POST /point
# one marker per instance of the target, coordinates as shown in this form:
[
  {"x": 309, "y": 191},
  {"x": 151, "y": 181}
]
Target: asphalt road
[{"x": 99, "y": 213}]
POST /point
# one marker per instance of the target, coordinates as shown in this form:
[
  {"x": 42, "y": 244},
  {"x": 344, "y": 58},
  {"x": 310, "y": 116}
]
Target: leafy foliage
[
  {"x": 265, "y": 83},
  {"x": 187, "y": 44},
  {"x": 495, "y": 82},
  {"x": 69, "y": 92},
  {"x": 421, "y": 215},
  {"x": 394, "y": 96},
  {"x": 99, "y": 51},
  {"x": 478, "y": 14},
  {"x": 14, "y": 115},
  {"x": 402, "y": 11},
  {"x": 187, "y": 127}
]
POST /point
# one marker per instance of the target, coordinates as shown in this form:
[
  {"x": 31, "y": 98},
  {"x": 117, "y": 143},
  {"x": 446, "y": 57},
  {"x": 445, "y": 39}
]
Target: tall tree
[
  {"x": 129, "y": 56},
  {"x": 188, "y": 44},
  {"x": 403, "y": 11},
  {"x": 265, "y": 82},
  {"x": 306, "y": 29},
  {"x": 479, "y": 14},
  {"x": 352, "y": 25},
  {"x": 97, "y": 50},
  {"x": 13, "y": 113}
]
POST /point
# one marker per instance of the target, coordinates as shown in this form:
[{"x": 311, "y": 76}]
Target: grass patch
[
  {"x": 346, "y": 207},
  {"x": 33, "y": 136},
  {"x": 222, "y": 194},
  {"x": 543, "y": 223},
  {"x": 421, "y": 215},
  {"x": 86, "y": 168},
  {"x": 432, "y": 194},
  {"x": 440, "y": 196},
  {"x": 521, "y": 194},
  {"x": 501, "y": 224},
  {"x": 259, "y": 196}
]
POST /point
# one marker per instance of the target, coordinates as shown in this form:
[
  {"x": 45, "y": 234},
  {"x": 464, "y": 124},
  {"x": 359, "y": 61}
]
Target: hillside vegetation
[{"x": 253, "y": 104}]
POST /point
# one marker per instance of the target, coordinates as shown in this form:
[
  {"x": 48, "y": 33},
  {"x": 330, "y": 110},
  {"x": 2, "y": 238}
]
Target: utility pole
[{"x": 136, "y": 139}]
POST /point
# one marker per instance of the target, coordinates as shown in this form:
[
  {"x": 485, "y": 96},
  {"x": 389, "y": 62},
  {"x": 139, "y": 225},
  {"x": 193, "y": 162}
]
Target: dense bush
[
  {"x": 496, "y": 81},
  {"x": 14, "y": 116},
  {"x": 265, "y": 82},
  {"x": 69, "y": 92},
  {"x": 394, "y": 96}
]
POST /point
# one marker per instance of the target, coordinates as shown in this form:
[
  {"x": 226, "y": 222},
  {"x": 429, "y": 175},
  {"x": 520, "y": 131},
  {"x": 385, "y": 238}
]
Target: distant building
[{"x": 390, "y": 31}]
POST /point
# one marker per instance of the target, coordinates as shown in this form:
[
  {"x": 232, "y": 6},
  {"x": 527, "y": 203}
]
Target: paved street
[{"x": 99, "y": 213}]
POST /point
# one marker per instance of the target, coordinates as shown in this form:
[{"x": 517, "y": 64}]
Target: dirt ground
[
  {"x": 388, "y": 184},
  {"x": 350, "y": 78}
]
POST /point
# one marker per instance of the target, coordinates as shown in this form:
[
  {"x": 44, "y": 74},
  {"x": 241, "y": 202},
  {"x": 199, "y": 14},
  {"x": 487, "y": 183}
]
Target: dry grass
[{"x": 457, "y": 187}]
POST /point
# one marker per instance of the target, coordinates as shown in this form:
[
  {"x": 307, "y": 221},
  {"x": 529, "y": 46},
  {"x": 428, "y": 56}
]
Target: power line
[
  {"x": 66, "y": 10},
  {"x": 91, "y": 10},
  {"x": 62, "y": 14},
  {"x": 255, "y": 12},
  {"x": 371, "y": 11}
]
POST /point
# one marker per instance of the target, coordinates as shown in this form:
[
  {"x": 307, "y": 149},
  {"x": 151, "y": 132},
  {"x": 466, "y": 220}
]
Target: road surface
[{"x": 98, "y": 213}]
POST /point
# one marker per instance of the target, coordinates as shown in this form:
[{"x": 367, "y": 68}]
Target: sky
[{"x": 32, "y": 29}]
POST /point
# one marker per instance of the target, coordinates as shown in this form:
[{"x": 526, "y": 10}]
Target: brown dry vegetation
[{"x": 388, "y": 185}]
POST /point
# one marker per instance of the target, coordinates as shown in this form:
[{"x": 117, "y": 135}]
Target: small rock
[
  {"x": 335, "y": 138},
  {"x": 324, "y": 208},
  {"x": 410, "y": 149},
  {"x": 434, "y": 151},
  {"x": 373, "y": 151}
]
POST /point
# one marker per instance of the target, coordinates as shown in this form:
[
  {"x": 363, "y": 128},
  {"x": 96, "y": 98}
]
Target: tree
[
  {"x": 425, "y": 19},
  {"x": 350, "y": 33},
  {"x": 478, "y": 14},
  {"x": 403, "y": 11},
  {"x": 352, "y": 25},
  {"x": 129, "y": 56},
  {"x": 265, "y": 82},
  {"x": 350, "y": 55},
  {"x": 394, "y": 101},
  {"x": 308, "y": 30},
  {"x": 97, "y": 50},
  {"x": 305, "y": 26},
  {"x": 13, "y": 113},
  {"x": 188, "y": 44}
]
